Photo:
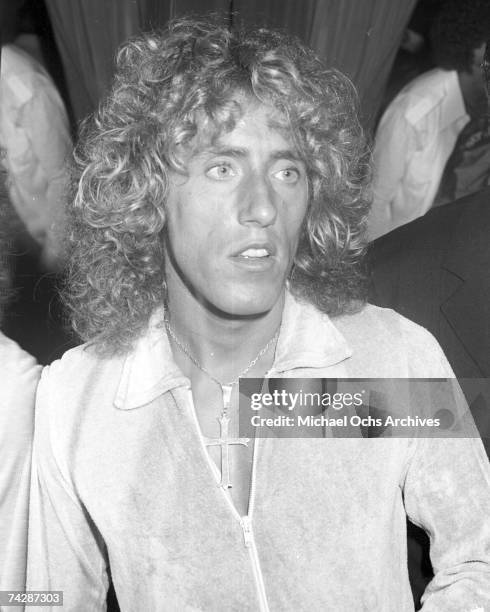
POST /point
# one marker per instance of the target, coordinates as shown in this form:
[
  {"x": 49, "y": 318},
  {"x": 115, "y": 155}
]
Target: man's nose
[{"x": 258, "y": 201}]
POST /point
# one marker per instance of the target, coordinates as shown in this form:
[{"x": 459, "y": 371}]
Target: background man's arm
[
  {"x": 37, "y": 153},
  {"x": 65, "y": 549},
  {"x": 393, "y": 148}
]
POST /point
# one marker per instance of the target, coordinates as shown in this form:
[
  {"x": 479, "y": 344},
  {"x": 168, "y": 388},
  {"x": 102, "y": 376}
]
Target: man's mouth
[
  {"x": 254, "y": 253},
  {"x": 256, "y": 250},
  {"x": 256, "y": 257}
]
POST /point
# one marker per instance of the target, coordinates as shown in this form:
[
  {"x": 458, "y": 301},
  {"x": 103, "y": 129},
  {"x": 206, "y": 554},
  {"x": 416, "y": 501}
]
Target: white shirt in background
[
  {"x": 414, "y": 140},
  {"x": 36, "y": 143}
]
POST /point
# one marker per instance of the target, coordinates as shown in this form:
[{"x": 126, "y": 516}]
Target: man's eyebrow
[
  {"x": 291, "y": 154},
  {"x": 226, "y": 151},
  {"x": 287, "y": 154}
]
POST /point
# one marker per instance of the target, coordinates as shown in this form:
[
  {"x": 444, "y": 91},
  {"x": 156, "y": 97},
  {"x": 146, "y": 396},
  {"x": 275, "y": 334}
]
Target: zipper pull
[
  {"x": 227, "y": 391},
  {"x": 247, "y": 530}
]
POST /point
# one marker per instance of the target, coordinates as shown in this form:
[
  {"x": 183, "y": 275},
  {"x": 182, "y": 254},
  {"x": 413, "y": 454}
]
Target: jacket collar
[
  {"x": 149, "y": 370},
  {"x": 307, "y": 339}
]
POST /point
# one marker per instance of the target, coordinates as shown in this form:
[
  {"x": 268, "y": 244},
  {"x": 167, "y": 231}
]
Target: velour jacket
[
  {"x": 19, "y": 375},
  {"x": 121, "y": 479}
]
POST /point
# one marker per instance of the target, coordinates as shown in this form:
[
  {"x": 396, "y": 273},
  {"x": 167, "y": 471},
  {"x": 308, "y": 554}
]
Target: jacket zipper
[
  {"x": 245, "y": 521},
  {"x": 248, "y": 536},
  {"x": 254, "y": 559}
]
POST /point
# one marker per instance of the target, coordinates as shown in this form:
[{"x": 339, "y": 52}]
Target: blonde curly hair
[{"x": 165, "y": 83}]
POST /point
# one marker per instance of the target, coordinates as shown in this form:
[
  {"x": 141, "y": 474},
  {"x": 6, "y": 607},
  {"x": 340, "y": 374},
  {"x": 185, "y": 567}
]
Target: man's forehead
[{"x": 251, "y": 117}]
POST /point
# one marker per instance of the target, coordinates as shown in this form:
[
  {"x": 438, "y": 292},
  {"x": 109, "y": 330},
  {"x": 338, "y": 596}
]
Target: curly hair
[
  {"x": 460, "y": 27},
  {"x": 167, "y": 86}
]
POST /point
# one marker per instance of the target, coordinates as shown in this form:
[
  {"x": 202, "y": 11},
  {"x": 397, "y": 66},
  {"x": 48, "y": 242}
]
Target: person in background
[
  {"x": 36, "y": 142},
  {"x": 36, "y": 145},
  {"x": 434, "y": 271},
  {"x": 217, "y": 234},
  {"x": 420, "y": 128},
  {"x": 19, "y": 375}
]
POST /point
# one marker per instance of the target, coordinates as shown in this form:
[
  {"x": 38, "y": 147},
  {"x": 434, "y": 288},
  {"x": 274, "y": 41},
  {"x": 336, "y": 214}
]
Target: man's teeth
[{"x": 255, "y": 253}]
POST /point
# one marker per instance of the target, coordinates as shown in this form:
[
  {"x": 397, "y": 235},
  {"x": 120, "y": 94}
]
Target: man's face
[{"x": 234, "y": 220}]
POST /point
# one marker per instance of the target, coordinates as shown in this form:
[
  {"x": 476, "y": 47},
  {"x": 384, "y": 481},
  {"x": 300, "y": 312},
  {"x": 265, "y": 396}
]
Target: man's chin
[{"x": 245, "y": 307}]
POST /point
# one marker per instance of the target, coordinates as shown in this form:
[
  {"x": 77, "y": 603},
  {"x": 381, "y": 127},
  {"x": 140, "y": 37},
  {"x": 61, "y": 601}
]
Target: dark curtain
[
  {"x": 296, "y": 17},
  {"x": 359, "y": 37},
  {"x": 88, "y": 33}
]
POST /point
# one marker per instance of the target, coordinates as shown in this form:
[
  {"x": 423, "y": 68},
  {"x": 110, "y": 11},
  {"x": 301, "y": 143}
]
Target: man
[
  {"x": 18, "y": 382},
  {"x": 435, "y": 272},
  {"x": 35, "y": 136},
  {"x": 224, "y": 180},
  {"x": 421, "y": 126}
]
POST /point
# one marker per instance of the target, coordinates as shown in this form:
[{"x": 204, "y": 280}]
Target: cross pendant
[{"x": 224, "y": 441}]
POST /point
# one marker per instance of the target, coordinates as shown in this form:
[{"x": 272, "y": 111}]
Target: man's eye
[
  {"x": 221, "y": 172},
  {"x": 288, "y": 175}
]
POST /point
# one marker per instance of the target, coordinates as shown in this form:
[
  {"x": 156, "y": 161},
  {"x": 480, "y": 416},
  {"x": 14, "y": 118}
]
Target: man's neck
[{"x": 223, "y": 346}]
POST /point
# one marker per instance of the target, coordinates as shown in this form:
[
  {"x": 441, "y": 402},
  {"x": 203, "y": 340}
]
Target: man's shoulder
[
  {"x": 371, "y": 326},
  {"x": 463, "y": 225},
  {"x": 20, "y": 376},
  {"x": 22, "y": 75},
  {"x": 80, "y": 367},
  {"x": 374, "y": 323},
  {"x": 429, "y": 82},
  {"x": 423, "y": 95},
  {"x": 384, "y": 343},
  {"x": 430, "y": 231},
  {"x": 15, "y": 361},
  {"x": 78, "y": 388},
  {"x": 81, "y": 354}
]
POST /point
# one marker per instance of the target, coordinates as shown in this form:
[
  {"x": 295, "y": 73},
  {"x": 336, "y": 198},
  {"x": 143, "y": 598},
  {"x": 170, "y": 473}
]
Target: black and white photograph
[{"x": 245, "y": 305}]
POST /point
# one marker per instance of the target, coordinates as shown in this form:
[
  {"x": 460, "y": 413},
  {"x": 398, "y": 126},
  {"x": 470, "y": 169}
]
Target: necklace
[
  {"x": 224, "y": 441},
  {"x": 185, "y": 349}
]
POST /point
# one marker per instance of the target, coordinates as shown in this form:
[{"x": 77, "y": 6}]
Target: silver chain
[{"x": 185, "y": 349}]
